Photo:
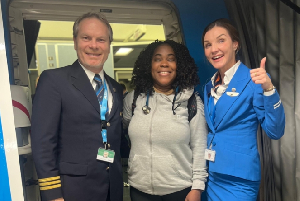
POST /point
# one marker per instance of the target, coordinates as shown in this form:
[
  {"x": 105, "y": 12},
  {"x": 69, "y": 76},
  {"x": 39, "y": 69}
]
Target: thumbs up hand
[{"x": 259, "y": 76}]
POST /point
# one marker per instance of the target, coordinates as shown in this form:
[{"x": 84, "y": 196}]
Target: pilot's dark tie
[{"x": 99, "y": 88}]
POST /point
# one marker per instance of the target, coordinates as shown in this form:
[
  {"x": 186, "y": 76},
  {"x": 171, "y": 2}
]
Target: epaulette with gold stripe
[{"x": 49, "y": 183}]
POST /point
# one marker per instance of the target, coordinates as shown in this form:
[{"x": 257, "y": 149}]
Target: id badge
[
  {"x": 105, "y": 155},
  {"x": 210, "y": 155}
]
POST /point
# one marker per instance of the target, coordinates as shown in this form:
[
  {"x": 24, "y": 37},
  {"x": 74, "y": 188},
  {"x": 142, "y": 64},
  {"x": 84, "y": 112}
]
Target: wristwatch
[{"x": 269, "y": 89}]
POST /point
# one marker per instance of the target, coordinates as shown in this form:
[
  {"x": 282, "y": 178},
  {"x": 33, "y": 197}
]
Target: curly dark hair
[{"x": 186, "y": 69}]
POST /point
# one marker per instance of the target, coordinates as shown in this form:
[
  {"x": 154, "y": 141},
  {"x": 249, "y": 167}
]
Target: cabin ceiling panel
[
  {"x": 108, "y": 3},
  {"x": 73, "y": 18},
  {"x": 53, "y": 30},
  {"x": 84, "y": 8},
  {"x": 71, "y": 12},
  {"x": 126, "y": 13},
  {"x": 74, "y": 13},
  {"x": 122, "y": 11}
]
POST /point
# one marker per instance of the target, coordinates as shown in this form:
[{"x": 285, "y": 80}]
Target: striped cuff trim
[
  {"x": 49, "y": 179},
  {"x": 50, "y": 187},
  {"x": 49, "y": 183},
  {"x": 277, "y": 104}
]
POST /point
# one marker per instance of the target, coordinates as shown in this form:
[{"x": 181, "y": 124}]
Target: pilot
[{"x": 77, "y": 111}]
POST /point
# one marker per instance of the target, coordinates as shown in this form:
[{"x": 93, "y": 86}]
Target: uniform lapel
[
  {"x": 239, "y": 81},
  {"x": 113, "y": 90},
  {"x": 81, "y": 82},
  {"x": 206, "y": 102}
]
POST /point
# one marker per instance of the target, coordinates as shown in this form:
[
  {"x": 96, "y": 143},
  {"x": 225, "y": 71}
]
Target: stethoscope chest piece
[{"x": 146, "y": 109}]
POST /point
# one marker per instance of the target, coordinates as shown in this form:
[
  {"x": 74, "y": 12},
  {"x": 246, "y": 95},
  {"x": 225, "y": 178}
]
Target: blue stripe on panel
[{"x": 4, "y": 182}]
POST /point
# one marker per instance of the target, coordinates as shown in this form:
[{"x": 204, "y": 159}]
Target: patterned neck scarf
[{"x": 217, "y": 82}]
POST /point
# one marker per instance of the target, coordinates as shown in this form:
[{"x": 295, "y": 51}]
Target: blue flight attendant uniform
[{"x": 233, "y": 121}]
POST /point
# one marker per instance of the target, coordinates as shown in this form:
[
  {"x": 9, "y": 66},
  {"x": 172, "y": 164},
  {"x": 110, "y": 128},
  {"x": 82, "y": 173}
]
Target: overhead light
[{"x": 123, "y": 51}]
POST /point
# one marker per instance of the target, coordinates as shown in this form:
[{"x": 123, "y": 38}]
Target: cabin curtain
[{"x": 271, "y": 28}]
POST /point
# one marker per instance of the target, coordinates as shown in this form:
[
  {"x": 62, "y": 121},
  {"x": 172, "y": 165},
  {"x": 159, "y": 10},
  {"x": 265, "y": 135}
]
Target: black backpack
[{"x": 192, "y": 105}]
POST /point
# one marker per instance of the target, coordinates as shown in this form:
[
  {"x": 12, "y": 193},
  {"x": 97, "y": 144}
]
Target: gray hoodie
[{"x": 167, "y": 151}]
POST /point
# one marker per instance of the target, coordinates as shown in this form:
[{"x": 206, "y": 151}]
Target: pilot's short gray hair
[{"x": 98, "y": 16}]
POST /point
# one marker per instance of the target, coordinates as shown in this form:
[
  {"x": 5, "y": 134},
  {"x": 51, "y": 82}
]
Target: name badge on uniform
[
  {"x": 210, "y": 155},
  {"x": 105, "y": 155},
  {"x": 233, "y": 93}
]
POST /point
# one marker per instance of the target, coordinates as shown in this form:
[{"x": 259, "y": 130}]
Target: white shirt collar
[
  {"x": 227, "y": 78},
  {"x": 228, "y": 74},
  {"x": 90, "y": 74}
]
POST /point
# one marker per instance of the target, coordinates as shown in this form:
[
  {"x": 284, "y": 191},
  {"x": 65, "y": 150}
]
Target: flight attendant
[{"x": 236, "y": 100}]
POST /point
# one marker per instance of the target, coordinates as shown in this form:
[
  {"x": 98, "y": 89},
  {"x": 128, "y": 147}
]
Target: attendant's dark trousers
[{"x": 137, "y": 195}]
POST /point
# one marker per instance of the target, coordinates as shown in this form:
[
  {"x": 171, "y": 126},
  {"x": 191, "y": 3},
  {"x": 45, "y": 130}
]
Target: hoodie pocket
[
  {"x": 139, "y": 170},
  {"x": 166, "y": 171}
]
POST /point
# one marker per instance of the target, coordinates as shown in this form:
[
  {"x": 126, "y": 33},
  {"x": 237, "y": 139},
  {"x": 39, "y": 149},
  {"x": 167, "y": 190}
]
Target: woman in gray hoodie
[{"x": 166, "y": 161}]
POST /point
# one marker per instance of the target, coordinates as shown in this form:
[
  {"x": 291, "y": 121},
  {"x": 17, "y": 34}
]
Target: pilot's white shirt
[{"x": 91, "y": 76}]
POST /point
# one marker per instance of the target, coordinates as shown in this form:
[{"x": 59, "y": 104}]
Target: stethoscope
[{"x": 146, "y": 109}]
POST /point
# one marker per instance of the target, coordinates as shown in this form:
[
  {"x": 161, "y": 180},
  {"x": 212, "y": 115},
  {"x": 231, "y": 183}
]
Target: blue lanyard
[
  {"x": 147, "y": 101},
  {"x": 211, "y": 109},
  {"x": 103, "y": 110},
  {"x": 212, "y": 112}
]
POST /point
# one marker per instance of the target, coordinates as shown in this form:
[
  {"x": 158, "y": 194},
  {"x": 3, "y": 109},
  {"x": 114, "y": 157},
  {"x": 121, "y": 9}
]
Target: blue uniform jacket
[{"x": 233, "y": 134}]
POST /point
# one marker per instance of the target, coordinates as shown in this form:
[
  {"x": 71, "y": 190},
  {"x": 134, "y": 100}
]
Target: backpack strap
[
  {"x": 135, "y": 96},
  {"x": 192, "y": 107}
]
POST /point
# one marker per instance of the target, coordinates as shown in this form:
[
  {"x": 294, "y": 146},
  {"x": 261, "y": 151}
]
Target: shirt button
[
  {"x": 107, "y": 168},
  {"x": 108, "y": 124},
  {"x": 108, "y": 145}
]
